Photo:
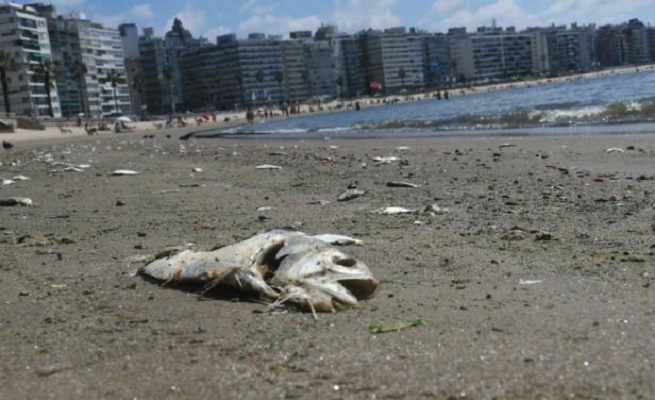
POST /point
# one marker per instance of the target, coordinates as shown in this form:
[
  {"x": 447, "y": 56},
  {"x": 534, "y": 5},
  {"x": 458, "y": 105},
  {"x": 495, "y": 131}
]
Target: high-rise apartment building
[
  {"x": 24, "y": 37},
  {"x": 102, "y": 90}
]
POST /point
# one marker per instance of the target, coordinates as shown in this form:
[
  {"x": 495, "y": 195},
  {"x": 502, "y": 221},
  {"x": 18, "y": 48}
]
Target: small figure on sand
[{"x": 250, "y": 116}]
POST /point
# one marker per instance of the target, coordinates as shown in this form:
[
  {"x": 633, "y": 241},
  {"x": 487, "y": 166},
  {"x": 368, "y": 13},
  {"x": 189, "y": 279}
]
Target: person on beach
[{"x": 250, "y": 116}]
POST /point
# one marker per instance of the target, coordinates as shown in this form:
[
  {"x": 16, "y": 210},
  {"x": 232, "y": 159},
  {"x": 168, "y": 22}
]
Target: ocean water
[{"x": 619, "y": 103}]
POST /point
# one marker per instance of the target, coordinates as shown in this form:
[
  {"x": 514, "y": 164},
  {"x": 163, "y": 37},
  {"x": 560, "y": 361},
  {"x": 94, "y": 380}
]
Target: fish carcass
[{"x": 277, "y": 266}]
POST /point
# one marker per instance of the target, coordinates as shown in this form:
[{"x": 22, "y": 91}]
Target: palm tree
[
  {"x": 304, "y": 75},
  {"x": 79, "y": 75},
  {"x": 259, "y": 77},
  {"x": 114, "y": 77},
  {"x": 167, "y": 75},
  {"x": 279, "y": 77},
  {"x": 8, "y": 65},
  {"x": 453, "y": 70},
  {"x": 402, "y": 74},
  {"x": 218, "y": 78},
  {"x": 137, "y": 85},
  {"x": 238, "y": 77},
  {"x": 340, "y": 82},
  {"x": 48, "y": 73}
]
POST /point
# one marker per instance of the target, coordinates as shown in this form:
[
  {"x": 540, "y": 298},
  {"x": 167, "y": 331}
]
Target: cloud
[
  {"x": 355, "y": 15},
  {"x": 142, "y": 11},
  {"x": 443, "y": 6},
  {"x": 212, "y": 33},
  {"x": 503, "y": 12},
  {"x": 109, "y": 21},
  {"x": 255, "y": 8},
  {"x": 67, "y": 3},
  {"x": 281, "y": 25},
  {"x": 588, "y": 11}
]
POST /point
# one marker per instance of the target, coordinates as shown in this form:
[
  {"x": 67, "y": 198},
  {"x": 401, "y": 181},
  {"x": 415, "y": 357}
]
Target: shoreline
[{"x": 237, "y": 118}]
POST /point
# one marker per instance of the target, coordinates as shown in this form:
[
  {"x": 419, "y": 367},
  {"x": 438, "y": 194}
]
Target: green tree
[
  {"x": 402, "y": 74},
  {"x": 259, "y": 77},
  {"x": 279, "y": 78},
  {"x": 453, "y": 70},
  {"x": 238, "y": 77},
  {"x": 137, "y": 85},
  {"x": 79, "y": 73},
  {"x": 304, "y": 75},
  {"x": 115, "y": 78},
  {"x": 47, "y": 72},
  {"x": 340, "y": 82},
  {"x": 8, "y": 65},
  {"x": 167, "y": 75}
]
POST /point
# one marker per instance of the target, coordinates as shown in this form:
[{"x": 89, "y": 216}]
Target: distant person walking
[{"x": 250, "y": 116}]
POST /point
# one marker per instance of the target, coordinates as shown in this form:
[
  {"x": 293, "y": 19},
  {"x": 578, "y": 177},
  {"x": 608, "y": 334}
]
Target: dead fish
[
  {"x": 385, "y": 160},
  {"x": 319, "y": 202},
  {"x": 16, "y": 201},
  {"x": 278, "y": 266},
  {"x": 268, "y": 166},
  {"x": 400, "y": 184},
  {"x": 430, "y": 210},
  {"x": 350, "y": 194},
  {"x": 21, "y": 178},
  {"x": 433, "y": 210},
  {"x": 124, "y": 172},
  {"x": 615, "y": 150},
  {"x": 393, "y": 211},
  {"x": 6, "y": 182}
]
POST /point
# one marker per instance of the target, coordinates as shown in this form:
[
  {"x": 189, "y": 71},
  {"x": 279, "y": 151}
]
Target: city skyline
[{"x": 209, "y": 18}]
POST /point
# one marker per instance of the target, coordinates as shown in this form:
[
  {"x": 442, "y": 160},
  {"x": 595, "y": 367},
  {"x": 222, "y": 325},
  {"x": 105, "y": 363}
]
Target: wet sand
[{"x": 536, "y": 283}]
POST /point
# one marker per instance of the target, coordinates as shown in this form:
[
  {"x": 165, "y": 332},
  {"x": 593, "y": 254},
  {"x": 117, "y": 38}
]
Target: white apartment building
[
  {"x": 75, "y": 40},
  {"x": 24, "y": 36}
]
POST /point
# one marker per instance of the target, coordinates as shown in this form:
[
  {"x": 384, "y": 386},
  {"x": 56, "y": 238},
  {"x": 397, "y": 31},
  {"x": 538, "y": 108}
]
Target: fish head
[{"x": 322, "y": 277}]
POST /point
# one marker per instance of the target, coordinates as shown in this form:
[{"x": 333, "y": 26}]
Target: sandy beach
[{"x": 535, "y": 283}]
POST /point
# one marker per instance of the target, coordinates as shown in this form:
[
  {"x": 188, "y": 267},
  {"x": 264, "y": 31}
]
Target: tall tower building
[
  {"x": 24, "y": 37},
  {"x": 102, "y": 90}
]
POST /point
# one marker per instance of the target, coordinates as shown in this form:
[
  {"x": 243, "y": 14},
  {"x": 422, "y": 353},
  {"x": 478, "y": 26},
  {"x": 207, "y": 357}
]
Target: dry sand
[{"x": 537, "y": 283}]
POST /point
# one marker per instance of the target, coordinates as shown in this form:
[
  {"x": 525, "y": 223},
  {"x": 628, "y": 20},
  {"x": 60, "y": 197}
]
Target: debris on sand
[
  {"x": 400, "y": 184},
  {"x": 124, "y": 172},
  {"x": 48, "y": 370},
  {"x": 268, "y": 166},
  {"x": 393, "y": 211},
  {"x": 379, "y": 160},
  {"x": 279, "y": 266},
  {"x": 350, "y": 194},
  {"x": 430, "y": 210},
  {"x": 16, "y": 201},
  {"x": 615, "y": 150},
  {"x": 529, "y": 281},
  {"x": 386, "y": 327},
  {"x": 319, "y": 202}
]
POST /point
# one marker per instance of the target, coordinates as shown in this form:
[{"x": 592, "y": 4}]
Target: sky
[{"x": 210, "y": 18}]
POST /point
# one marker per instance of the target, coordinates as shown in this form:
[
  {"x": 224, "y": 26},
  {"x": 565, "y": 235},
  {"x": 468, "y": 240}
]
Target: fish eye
[{"x": 344, "y": 261}]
